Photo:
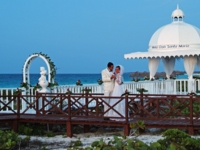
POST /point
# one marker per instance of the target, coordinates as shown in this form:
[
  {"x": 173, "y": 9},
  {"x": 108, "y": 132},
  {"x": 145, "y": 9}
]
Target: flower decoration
[
  {"x": 192, "y": 94},
  {"x": 24, "y": 85},
  {"x": 100, "y": 82},
  {"x": 152, "y": 79},
  {"x": 37, "y": 87},
  {"x": 78, "y": 83},
  {"x": 171, "y": 77},
  {"x": 86, "y": 90},
  {"x": 165, "y": 78},
  {"x": 198, "y": 91},
  {"x": 68, "y": 91},
  {"x": 126, "y": 93},
  {"x": 135, "y": 79},
  {"x": 18, "y": 91},
  {"x": 196, "y": 77},
  {"x": 141, "y": 90},
  {"x": 50, "y": 85}
]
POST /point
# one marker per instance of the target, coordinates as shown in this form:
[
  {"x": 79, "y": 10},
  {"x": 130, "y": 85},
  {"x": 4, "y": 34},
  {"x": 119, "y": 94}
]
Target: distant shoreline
[{"x": 59, "y": 73}]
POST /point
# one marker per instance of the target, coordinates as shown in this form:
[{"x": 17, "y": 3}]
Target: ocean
[{"x": 14, "y": 80}]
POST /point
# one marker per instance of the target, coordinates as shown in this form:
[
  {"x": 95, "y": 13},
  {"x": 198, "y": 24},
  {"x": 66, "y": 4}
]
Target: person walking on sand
[{"x": 108, "y": 79}]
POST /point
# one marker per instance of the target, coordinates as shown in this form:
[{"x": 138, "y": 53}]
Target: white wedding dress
[{"x": 117, "y": 91}]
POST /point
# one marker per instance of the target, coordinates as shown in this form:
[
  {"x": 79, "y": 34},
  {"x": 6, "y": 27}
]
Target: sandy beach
[{"x": 62, "y": 143}]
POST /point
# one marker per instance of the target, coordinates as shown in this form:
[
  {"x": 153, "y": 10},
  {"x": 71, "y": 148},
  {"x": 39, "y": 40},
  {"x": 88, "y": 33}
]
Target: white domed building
[{"x": 175, "y": 40}]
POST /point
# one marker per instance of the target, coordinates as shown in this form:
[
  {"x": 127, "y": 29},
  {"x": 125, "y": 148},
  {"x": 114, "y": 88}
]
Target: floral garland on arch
[
  {"x": 53, "y": 69},
  {"x": 25, "y": 85}
]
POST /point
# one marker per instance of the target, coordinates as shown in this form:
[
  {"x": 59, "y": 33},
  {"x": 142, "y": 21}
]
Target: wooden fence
[{"x": 159, "y": 111}]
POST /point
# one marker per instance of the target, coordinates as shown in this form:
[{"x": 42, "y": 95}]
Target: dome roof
[
  {"x": 177, "y": 39},
  {"x": 175, "y": 36}
]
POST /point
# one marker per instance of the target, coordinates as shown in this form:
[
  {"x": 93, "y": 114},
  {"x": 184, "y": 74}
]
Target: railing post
[
  {"x": 126, "y": 108},
  {"x": 86, "y": 127},
  {"x": 18, "y": 105},
  {"x": 61, "y": 102},
  {"x": 191, "y": 128},
  {"x": 142, "y": 103},
  {"x": 43, "y": 110},
  {"x": 15, "y": 123},
  {"x": 37, "y": 105},
  {"x": 172, "y": 104},
  {"x": 126, "y": 126},
  {"x": 86, "y": 100},
  {"x": 68, "y": 123},
  {"x": 191, "y": 110},
  {"x": 97, "y": 107},
  {"x": 158, "y": 108},
  {"x": 69, "y": 107}
]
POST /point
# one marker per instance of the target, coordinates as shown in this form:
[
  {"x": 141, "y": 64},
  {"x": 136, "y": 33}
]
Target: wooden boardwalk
[{"x": 157, "y": 111}]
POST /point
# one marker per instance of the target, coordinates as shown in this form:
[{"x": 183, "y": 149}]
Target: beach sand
[{"x": 62, "y": 142}]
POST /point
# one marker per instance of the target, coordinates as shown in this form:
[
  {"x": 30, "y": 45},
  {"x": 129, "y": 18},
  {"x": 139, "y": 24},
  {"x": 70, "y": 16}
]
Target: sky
[{"x": 82, "y": 36}]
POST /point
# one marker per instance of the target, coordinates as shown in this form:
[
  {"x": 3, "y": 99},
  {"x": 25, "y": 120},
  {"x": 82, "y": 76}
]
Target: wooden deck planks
[
  {"x": 61, "y": 119},
  {"x": 90, "y": 121}
]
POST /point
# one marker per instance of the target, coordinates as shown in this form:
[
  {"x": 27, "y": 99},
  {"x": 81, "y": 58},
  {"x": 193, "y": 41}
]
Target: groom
[{"x": 108, "y": 79}]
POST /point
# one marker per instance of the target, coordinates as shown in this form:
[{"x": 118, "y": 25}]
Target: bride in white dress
[{"x": 117, "y": 91}]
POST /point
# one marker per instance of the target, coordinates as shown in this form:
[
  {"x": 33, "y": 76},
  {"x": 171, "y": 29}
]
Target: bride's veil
[
  {"x": 121, "y": 69},
  {"x": 121, "y": 72}
]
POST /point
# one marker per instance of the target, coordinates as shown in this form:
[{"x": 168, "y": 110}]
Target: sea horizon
[
  {"x": 8, "y": 80},
  {"x": 13, "y": 80}
]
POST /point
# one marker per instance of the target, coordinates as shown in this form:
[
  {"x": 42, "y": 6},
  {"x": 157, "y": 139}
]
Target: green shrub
[
  {"x": 8, "y": 139},
  {"x": 122, "y": 143},
  {"x": 44, "y": 148},
  {"x": 50, "y": 134},
  {"x": 25, "y": 130},
  {"x": 77, "y": 143},
  {"x": 74, "y": 145},
  {"x": 177, "y": 139},
  {"x": 173, "y": 140},
  {"x": 137, "y": 127},
  {"x": 31, "y": 129}
]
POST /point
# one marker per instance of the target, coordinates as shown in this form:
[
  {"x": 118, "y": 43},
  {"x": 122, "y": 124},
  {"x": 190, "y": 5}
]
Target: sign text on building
[{"x": 170, "y": 46}]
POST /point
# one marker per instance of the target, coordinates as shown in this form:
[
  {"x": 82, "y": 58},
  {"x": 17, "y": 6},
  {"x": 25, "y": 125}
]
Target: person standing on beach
[{"x": 108, "y": 79}]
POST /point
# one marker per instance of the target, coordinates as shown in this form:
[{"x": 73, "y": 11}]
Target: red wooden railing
[{"x": 181, "y": 111}]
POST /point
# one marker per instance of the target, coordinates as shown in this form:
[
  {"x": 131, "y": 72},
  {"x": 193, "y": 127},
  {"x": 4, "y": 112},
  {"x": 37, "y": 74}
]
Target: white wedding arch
[{"x": 50, "y": 66}]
